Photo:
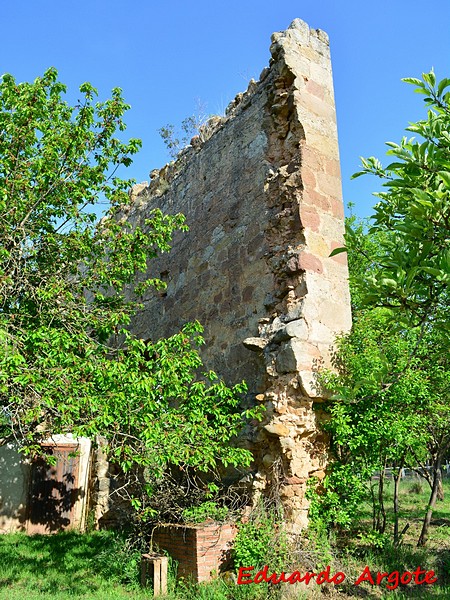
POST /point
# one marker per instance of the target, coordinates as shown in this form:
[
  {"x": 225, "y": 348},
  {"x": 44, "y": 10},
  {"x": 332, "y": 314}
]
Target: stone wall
[
  {"x": 15, "y": 472},
  {"x": 261, "y": 191}
]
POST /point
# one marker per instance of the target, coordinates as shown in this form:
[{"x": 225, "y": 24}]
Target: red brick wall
[{"x": 200, "y": 550}]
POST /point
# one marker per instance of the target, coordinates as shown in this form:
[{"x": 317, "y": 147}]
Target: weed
[
  {"x": 199, "y": 126},
  {"x": 261, "y": 541},
  {"x": 203, "y": 512},
  {"x": 416, "y": 488}
]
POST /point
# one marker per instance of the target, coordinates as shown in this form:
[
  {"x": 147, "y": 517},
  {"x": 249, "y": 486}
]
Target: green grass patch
[
  {"x": 98, "y": 566},
  {"x": 68, "y": 565},
  {"x": 413, "y": 500}
]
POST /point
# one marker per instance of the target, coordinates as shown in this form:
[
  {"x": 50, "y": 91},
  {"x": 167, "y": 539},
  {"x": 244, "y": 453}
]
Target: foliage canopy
[{"x": 410, "y": 270}]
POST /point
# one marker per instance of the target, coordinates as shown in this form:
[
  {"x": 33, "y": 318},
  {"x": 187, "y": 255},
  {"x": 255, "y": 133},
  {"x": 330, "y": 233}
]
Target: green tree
[
  {"x": 410, "y": 271},
  {"x": 67, "y": 361},
  {"x": 374, "y": 420},
  {"x": 393, "y": 382}
]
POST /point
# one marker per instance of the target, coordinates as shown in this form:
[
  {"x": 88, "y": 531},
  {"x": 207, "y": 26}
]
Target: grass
[
  {"x": 357, "y": 550},
  {"x": 413, "y": 500},
  {"x": 98, "y": 566},
  {"x": 67, "y": 565}
]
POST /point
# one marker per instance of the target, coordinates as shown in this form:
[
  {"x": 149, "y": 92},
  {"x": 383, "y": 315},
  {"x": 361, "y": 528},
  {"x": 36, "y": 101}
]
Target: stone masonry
[{"x": 261, "y": 191}]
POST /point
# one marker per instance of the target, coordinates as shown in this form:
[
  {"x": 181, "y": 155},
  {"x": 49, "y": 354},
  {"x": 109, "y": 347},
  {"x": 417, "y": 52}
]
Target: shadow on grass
[{"x": 65, "y": 562}]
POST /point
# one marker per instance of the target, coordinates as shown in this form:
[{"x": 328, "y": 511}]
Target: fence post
[{"x": 154, "y": 568}]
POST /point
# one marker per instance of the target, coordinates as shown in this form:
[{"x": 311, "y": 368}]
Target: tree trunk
[
  {"x": 396, "y": 492},
  {"x": 437, "y": 476},
  {"x": 381, "y": 513},
  {"x": 440, "y": 492},
  {"x": 374, "y": 510}
]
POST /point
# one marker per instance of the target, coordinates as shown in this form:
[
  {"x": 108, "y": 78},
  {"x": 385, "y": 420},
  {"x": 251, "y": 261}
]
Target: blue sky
[{"x": 167, "y": 56}]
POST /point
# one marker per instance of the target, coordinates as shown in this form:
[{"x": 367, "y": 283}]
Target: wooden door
[{"x": 53, "y": 490}]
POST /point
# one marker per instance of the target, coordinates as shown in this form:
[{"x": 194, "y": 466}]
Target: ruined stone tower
[{"x": 261, "y": 192}]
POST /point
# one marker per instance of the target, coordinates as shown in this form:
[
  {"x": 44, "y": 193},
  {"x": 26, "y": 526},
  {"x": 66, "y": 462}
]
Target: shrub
[{"x": 261, "y": 541}]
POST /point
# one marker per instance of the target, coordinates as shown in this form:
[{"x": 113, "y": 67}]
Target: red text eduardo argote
[{"x": 391, "y": 580}]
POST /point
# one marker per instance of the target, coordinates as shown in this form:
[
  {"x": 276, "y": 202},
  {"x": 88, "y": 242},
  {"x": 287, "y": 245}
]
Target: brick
[
  {"x": 310, "y": 218},
  {"x": 315, "y": 88},
  {"x": 329, "y": 185},
  {"x": 308, "y": 262},
  {"x": 199, "y": 551},
  {"x": 308, "y": 178},
  {"x": 318, "y": 200}
]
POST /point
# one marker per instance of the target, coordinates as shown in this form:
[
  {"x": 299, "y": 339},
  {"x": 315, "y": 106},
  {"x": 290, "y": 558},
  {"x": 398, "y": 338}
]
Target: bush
[
  {"x": 261, "y": 541},
  {"x": 206, "y": 510}
]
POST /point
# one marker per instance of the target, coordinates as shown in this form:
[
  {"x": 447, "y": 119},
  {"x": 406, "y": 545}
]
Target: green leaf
[
  {"x": 413, "y": 81},
  {"x": 445, "y": 176},
  {"x": 429, "y": 78},
  {"x": 337, "y": 251},
  {"x": 432, "y": 271},
  {"x": 387, "y": 282}
]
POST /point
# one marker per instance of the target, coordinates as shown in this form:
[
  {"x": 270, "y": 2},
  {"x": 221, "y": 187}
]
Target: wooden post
[{"x": 154, "y": 568}]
